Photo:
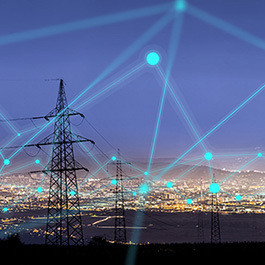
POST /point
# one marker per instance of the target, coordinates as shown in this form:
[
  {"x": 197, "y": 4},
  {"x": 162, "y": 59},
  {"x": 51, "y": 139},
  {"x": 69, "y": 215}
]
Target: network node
[
  {"x": 189, "y": 201},
  {"x": 208, "y": 156},
  {"x": 146, "y": 173},
  {"x": 214, "y": 188},
  {"x": 6, "y": 162},
  {"x": 72, "y": 192},
  {"x": 144, "y": 188},
  {"x": 37, "y": 161},
  {"x": 5, "y": 209},
  {"x": 152, "y": 58},
  {"x": 18, "y": 134},
  {"x": 180, "y": 5},
  {"x": 259, "y": 154},
  {"x": 238, "y": 197},
  {"x": 114, "y": 158},
  {"x": 169, "y": 184},
  {"x": 39, "y": 189},
  {"x": 114, "y": 182}
]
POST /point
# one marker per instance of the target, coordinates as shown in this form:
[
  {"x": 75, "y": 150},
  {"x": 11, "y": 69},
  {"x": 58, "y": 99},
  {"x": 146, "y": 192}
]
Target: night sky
[{"x": 213, "y": 72}]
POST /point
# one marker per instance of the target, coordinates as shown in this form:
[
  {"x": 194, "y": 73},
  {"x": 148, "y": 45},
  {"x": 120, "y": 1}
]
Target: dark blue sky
[{"x": 214, "y": 72}]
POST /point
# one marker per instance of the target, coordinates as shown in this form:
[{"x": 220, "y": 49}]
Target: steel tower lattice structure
[
  {"x": 200, "y": 218},
  {"x": 120, "y": 224},
  {"x": 215, "y": 223},
  {"x": 64, "y": 224}
]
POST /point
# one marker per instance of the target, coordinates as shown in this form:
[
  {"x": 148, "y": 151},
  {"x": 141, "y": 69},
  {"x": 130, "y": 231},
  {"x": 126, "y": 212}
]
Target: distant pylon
[
  {"x": 215, "y": 224},
  {"x": 200, "y": 218},
  {"x": 120, "y": 224}
]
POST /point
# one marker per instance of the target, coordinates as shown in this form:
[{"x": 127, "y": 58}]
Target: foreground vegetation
[{"x": 99, "y": 251}]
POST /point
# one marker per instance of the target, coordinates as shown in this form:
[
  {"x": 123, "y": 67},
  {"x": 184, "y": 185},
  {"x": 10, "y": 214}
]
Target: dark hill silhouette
[{"x": 99, "y": 251}]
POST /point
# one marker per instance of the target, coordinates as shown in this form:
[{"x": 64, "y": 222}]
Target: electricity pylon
[
  {"x": 64, "y": 224},
  {"x": 200, "y": 218},
  {"x": 215, "y": 224},
  {"x": 120, "y": 225}
]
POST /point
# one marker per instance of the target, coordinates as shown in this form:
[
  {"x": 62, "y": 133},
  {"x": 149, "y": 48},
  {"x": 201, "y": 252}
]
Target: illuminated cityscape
[{"x": 242, "y": 194}]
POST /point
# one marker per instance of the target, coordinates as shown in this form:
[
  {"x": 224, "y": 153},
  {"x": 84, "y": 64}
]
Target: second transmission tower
[
  {"x": 120, "y": 225},
  {"x": 215, "y": 223}
]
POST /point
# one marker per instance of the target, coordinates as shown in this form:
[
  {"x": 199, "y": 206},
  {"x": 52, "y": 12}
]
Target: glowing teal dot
[
  {"x": 189, "y": 201},
  {"x": 238, "y": 197},
  {"x": 169, "y": 184},
  {"x": 134, "y": 193},
  {"x": 72, "y": 192},
  {"x": 144, "y": 188},
  {"x": 152, "y": 58},
  {"x": 5, "y": 209},
  {"x": 208, "y": 156},
  {"x": 39, "y": 189},
  {"x": 6, "y": 162},
  {"x": 113, "y": 158},
  {"x": 181, "y": 5},
  {"x": 114, "y": 182},
  {"x": 146, "y": 173},
  {"x": 37, "y": 161},
  {"x": 259, "y": 154},
  {"x": 214, "y": 188},
  {"x": 18, "y": 134}
]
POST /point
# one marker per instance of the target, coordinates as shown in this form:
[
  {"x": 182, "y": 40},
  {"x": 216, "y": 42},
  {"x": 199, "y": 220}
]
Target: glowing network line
[
  {"x": 113, "y": 84},
  {"x": 216, "y": 127},
  {"x": 84, "y": 24},
  {"x": 231, "y": 155},
  {"x": 181, "y": 107},
  {"x": 153, "y": 59},
  {"x": 211, "y": 171},
  {"x": 30, "y": 164},
  {"x": 92, "y": 175},
  {"x": 190, "y": 169},
  {"x": 9, "y": 123},
  {"x": 93, "y": 157},
  {"x": 225, "y": 26},
  {"x": 158, "y": 26},
  {"x": 159, "y": 112},
  {"x": 252, "y": 160}
]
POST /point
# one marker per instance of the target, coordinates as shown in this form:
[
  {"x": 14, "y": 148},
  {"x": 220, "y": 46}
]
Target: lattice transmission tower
[
  {"x": 120, "y": 224},
  {"x": 215, "y": 223},
  {"x": 201, "y": 216},
  {"x": 64, "y": 224}
]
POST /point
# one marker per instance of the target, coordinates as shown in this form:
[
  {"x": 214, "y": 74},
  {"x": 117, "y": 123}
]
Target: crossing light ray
[
  {"x": 252, "y": 160},
  {"x": 84, "y": 24},
  {"x": 113, "y": 84},
  {"x": 237, "y": 109},
  {"x": 174, "y": 40},
  {"x": 151, "y": 32},
  {"x": 180, "y": 105},
  {"x": 226, "y": 27},
  {"x": 9, "y": 123}
]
